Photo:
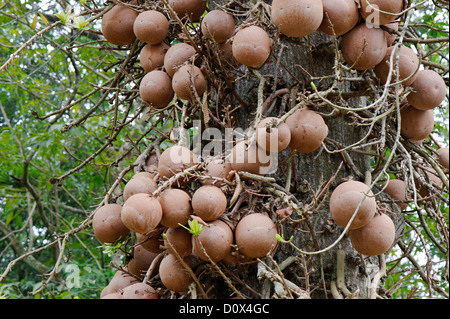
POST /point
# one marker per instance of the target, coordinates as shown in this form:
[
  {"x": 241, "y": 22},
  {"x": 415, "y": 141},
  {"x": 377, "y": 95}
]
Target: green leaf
[{"x": 44, "y": 19}]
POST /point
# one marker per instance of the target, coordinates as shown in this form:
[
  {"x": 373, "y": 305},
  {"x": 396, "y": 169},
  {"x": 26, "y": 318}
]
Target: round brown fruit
[
  {"x": 343, "y": 15},
  {"x": 272, "y": 139},
  {"x": 218, "y": 26},
  {"x": 256, "y": 235},
  {"x": 429, "y": 90},
  {"x": 113, "y": 295},
  {"x": 174, "y": 160},
  {"x": 117, "y": 25},
  {"x": 107, "y": 224},
  {"x": 176, "y": 206},
  {"x": 151, "y": 27},
  {"x": 139, "y": 290},
  {"x": 396, "y": 188},
  {"x": 216, "y": 168},
  {"x": 138, "y": 185},
  {"x": 209, "y": 202},
  {"x": 156, "y": 89},
  {"x": 408, "y": 64},
  {"x": 443, "y": 156},
  {"x": 297, "y": 18},
  {"x": 373, "y": 15},
  {"x": 180, "y": 239},
  {"x": 363, "y": 47},
  {"x": 173, "y": 274},
  {"x": 216, "y": 240},
  {"x": 119, "y": 281},
  {"x": 416, "y": 125},
  {"x": 152, "y": 56},
  {"x": 142, "y": 259},
  {"x": 141, "y": 213},
  {"x": 187, "y": 78},
  {"x": 193, "y": 9},
  {"x": 375, "y": 238},
  {"x": 177, "y": 55},
  {"x": 251, "y": 46},
  {"x": 308, "y": 130},
  {"x": 252, "y": 159},
  {"x": 151, "y": 243},
  {"x": 346, "y": 198}
]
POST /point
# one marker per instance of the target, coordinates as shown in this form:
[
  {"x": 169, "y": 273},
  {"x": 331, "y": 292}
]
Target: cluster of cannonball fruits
[{"x": 174, "y": 70}]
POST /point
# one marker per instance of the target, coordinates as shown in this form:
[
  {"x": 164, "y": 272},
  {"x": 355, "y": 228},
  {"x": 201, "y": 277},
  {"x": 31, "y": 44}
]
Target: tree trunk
[{"x": 292, "y": 64}]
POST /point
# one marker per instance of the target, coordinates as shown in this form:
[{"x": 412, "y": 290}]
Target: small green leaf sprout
[
  {"x": 194, "y": 227},
  {"x": 281, "y": 239}
]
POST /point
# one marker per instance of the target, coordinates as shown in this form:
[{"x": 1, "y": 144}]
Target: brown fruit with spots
[
  {"x": 346, "y": 198},
  {"x": 209, "y": 202},
  {"x": 256, "y": 235},
  {"x": 343, "y": 15},
  {"x": 297, "y": 18},
  {"x": 176, "y": 206},
  {"x": 216, "y": 241},
  {"x": 375, "y": 238},
  {"x": 364, "y": 47},
  {"x": 107, "y": 224},
  {"x": 151, "y": 27},
  {"x": 156, "y": 89},
  {"x": 141, "y": 213},
  {"x": 308, "y": 130},
  {"x": 251, "y": 46},
  {"x": 218, "y": 26},
  {"x": 117, "y": 25}
]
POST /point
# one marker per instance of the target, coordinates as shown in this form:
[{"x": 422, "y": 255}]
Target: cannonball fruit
[
  {"x": 308, "y": 130},
  {"x": 216, "y": 168},
  {"x": 429, "y": 90},
  {"x": 117, "y": 25},
  {"x": 152, "y": 56},
  {"x": 180, "y": 239},
  {"x": 177, "y": 55},
  {"x": 256, "y": 235},
  {"x": 142, "y": 259},
  {"x": 408, "y": 64},
  {"x": 175, "y": 160},
  {"x": 396, "y": 188},
  {"x": 375, "y": 238},
  {"x": 173, "y": 275},
  {"x": 372, "y": 13},
  {"x": 364, "y": 47},
  {"x": 216, "y": 240},
  {"x": 141, "y": 213},
  {"x": 218, "y": 26},
  {"x": 139, "y": 290},
  {"x": 346, "y": 198},
  {"x": 272, "y": 139},
  {"x": 107, "y": 224},
  {"x": 192, "y": 9},
  {"x": 297, "y": 18},
  {"x": 139, "y": 185},
  {"x": 151, "y": 27},
  {"x": 176, "y": 207},
  {"x": 156, "y": 89},
  {"x": 119, "y": 281},
  {"x": 250, "y": 158},
  {"x": 431, "y": 179},
  {"x": 443, "y": 156},
  {"x": 343, "y": 15},
  {"x": 416, "y": 125},
  {"x": 187, "y": 79},
  {"x": 209, "y": 202},
  {"x": 151, "y": 243},
  {"x": 251, "y": 46}
]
